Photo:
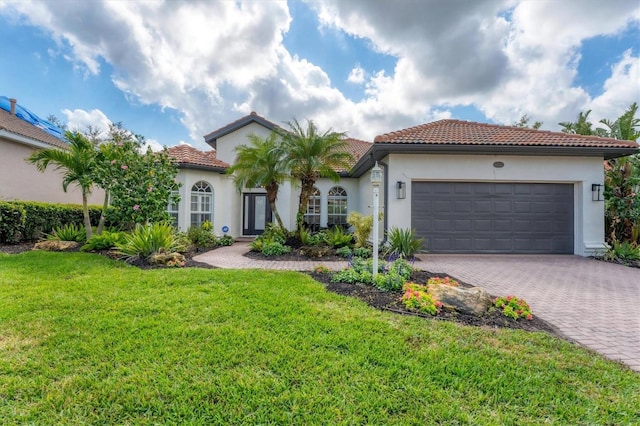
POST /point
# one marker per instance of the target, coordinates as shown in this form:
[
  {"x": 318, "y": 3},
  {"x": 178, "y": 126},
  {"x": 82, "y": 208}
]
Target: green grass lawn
[{"x": 87, "y": 340}]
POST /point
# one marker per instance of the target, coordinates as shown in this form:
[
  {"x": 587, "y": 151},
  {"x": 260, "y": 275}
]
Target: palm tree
[
  {"x": 261, "y": 163},
  {"x": 312, "y": 155},
  {"x": 582, "y": 125},
  {"x": 77, "y": 163}
]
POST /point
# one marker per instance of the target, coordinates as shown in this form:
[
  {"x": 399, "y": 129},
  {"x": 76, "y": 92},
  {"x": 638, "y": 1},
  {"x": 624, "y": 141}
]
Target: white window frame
[
  {"x": 314, "y": 209},
  {"x": 337, "y": 205},
  {"x": 201, "y": 203}
]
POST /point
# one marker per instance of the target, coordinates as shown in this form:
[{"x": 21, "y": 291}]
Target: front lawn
[{"x": 86, "y": 340}]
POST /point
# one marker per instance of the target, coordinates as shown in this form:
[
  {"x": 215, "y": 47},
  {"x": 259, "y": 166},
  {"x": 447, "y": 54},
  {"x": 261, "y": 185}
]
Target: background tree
[
  {"x": 77, "y": 163},
  {"x": 261, "y": 163},
  {"x": 524, "y": 123},
  {"x": 582, "y": 125},
  {"x": 311, "y": 155}
]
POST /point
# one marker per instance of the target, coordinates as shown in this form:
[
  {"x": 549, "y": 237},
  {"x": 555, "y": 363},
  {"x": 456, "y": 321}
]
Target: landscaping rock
[
  {"x": 169, "y": 259},
  {"x": 316, "y": 251},
  {"x": 53, "y": 245},
  {"x": 474, "y": 300}
]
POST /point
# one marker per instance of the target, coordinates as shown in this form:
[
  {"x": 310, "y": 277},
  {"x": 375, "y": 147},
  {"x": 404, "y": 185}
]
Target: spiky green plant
[
  {"x": 68, "y": 232},
  {"x": 146, "y": 240},
  {"x": 402, "y": 243}
]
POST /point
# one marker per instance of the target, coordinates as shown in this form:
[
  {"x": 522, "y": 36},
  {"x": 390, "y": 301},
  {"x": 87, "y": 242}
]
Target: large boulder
[
  {"x": 167, "y": 259},
  {"x": 55, "y": 245},
  {"x": 316, "y": 252},
  {"x": 474, "y": 300}
]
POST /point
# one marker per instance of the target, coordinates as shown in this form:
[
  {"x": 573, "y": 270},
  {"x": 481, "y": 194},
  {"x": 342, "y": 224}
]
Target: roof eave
[
  {"x": 381, "y": 150},
  {"x": 212, "y": 138},
  {"x": 192, "y": 166}
]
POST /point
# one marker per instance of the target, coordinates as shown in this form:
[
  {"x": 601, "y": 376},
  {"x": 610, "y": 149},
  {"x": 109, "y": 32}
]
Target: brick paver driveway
[
  {"x": 596, "y": 304},
  {"x": 591, "y": 302}
]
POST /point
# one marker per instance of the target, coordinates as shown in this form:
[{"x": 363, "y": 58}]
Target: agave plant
[
  {"x": 146, "y": 240},
  {"x": 402, "y": 243},
  {"x": 68, "y": 232}
]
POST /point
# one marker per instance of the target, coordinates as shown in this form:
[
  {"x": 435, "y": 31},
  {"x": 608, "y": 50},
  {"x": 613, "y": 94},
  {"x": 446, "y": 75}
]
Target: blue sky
[{"x": 176, "y": 71}]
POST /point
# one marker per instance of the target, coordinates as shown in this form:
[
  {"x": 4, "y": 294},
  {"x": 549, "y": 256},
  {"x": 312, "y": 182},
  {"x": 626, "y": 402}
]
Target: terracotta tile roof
[
  {"x": 17, "y": 126},
  {"x": 185, "y": 154},
  {"x": 457, "y": 132},
  {"x": 357, "y": 148}
]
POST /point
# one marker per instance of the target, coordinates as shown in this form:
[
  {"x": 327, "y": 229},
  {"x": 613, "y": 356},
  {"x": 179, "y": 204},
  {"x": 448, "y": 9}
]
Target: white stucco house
[
  {"x": 464, "y": 187},
  {"x": 20, "y": 180}
]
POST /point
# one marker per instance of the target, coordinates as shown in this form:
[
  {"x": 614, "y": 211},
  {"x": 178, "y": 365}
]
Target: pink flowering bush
[
  {"x": 416, "y": 298},
  {"x": 443, "y": 281},
  {"x": 513, "y": 307}
]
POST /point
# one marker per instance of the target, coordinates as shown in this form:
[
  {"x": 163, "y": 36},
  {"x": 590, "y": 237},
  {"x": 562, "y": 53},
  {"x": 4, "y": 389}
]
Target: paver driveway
[{"x": 593, "y": 303}]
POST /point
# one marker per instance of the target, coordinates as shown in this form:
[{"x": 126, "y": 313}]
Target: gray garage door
[{"x": 473, "y": 217}]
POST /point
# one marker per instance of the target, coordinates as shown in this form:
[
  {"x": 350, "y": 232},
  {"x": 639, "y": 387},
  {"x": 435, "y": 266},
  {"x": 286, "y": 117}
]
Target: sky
[{"x": 175, "y": 71}]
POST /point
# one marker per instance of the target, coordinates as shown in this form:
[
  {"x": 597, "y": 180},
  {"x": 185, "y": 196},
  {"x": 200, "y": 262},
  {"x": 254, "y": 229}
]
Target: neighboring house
[
  {"x": 464, "y": 187},
  {"x": 20, "y": 180}
]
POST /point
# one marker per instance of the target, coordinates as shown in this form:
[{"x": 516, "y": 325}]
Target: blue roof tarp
[{"x": 31, "y": 118}]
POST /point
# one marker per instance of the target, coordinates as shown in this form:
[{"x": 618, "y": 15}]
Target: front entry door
[{"x": 256, "y": 214}]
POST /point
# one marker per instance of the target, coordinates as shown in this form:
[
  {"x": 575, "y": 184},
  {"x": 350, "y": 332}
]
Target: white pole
[{"x": 375, "y": 229}]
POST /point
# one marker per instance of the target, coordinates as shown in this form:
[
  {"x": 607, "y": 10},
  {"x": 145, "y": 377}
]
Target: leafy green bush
[
  {"x": 337, "y": 237},
  {"x": 344, "y": 252},
  {"x": 513, "y": 307},
  {"x": 318, "y": 239},
  {"x": 402, "y": 243},
  {"x": 226, "y": 240},
  {"x": 416, "y": 298},
  {"x": 201, "y": 236},
  {"x": 352, "y": 276},
  {"x": 443, "y": 281},
  {"x": 363, "y": 252},
  {"x": 12, "y": 221},
  {"x": 389, "y": 281},
  {"x": 275, "y": 248},
  {"x": 105, "y": 241},
  {"x": 624, "y": 250},
  {"x": 68, "y": 232},
  {"x": 148, "y": 239},
  {"x": 363, "y": 225},
  {"x": 41, "y": 218}
]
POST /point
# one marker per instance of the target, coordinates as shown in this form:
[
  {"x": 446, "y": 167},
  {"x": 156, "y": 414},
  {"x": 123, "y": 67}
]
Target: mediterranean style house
[{"x": 464, "y": 187}]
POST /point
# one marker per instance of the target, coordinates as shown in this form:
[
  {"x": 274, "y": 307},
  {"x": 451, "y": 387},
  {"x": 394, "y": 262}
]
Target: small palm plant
[
  {"x": 402, "y": 243},
  {"x": 146, "y": 240}
]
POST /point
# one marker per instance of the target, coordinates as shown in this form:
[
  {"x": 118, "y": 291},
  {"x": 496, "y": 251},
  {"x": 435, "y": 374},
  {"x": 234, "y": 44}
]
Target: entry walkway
[{"x": 591, "y": 302}]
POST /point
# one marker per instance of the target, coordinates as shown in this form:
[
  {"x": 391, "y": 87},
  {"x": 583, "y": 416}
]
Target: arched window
[
  {"x": 337, "y": 206},
  {"x": 201, "y": 203},
  {"x": 312, "y": 217}
]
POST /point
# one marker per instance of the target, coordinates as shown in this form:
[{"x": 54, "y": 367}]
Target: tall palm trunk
[
  {"x": 272, "y": 196},
  {"x": 105, "y": 204},
  {"x": 85, "y": 213}
]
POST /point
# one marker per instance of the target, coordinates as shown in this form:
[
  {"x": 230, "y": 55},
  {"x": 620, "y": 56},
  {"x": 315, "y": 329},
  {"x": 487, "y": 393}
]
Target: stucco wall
[
  {"x": 226, "y": 145},
  {"x": 20, "y": 180},
  {"x": 582, "y": 172}
]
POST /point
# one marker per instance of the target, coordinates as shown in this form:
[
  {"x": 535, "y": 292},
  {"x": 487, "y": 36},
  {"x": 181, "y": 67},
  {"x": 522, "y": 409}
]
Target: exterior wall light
[
  {"x": 597, "y": 192},
  {"x": 401, "y": 190}
]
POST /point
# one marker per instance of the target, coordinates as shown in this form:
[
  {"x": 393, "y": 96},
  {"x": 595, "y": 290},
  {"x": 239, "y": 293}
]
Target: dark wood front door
[{"x": 256, "y": 214}]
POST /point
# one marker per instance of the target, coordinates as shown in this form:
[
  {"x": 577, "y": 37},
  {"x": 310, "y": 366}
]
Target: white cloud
[
  {"x": 621, "y": 89},
  {"x": 357, "y": 75},
  {"x": 80, "y": 120},
  {"x": 154, "y": 144}
]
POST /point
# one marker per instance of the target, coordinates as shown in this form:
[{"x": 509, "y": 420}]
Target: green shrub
[
  {"x": 317, "y": 239},
  {"x": 401, "y": 267},
  {"x": 363, "y": 252},
  {"x": 148, "y": 239},
  {"x": 624, "y": 250},
  {"x": 344, "y": 252},
  {"x": 226, "y": 240},
  {"x": 443, "y": 281},
  {"x": 389, "y": 281},
  {"x": 402, "y": 243},
  {"x": 352, "y": 276},
  {"x": 275, "y": 248},
  {"x": 337, "y": 238},
  {"x": 105, "y": 241},
  {"x": 201, "y": 236},
  {"x": 68, "y": 232},
  {"x": 363, "y": 225},
  {"x": 12, "y": 221},
  {"x": 41, "y": 218}
]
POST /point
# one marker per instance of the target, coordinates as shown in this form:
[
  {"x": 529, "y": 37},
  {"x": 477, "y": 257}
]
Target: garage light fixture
[
  {"x": 597, "y": 192},
  {"x": 401, "y": 190}
]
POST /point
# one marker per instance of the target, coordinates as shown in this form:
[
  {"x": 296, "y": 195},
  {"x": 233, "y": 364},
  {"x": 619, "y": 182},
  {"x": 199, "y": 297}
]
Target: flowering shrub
[
  {"x": 443, "y": 281},
  {"x": 175, "y": 263},
  {"x": 416, "y": 298},
  {"x": 321, "y": 269},
  {"x": 513, "y": 307}
]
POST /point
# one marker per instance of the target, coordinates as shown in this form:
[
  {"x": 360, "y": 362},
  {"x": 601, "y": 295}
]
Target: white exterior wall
[
  {"x": 582, "y": 172},
  {"x": 225, "y": 145},
  {"x": 20, "y": 180}
]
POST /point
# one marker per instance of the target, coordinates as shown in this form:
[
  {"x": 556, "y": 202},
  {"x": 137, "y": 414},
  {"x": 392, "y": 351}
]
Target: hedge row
[{"x": 28, "y": 221}]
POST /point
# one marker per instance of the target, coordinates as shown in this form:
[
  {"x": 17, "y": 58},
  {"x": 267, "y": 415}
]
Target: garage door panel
[{"x": 485, "y": 217}]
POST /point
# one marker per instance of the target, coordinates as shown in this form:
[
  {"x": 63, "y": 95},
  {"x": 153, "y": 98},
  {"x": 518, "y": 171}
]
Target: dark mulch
[
  {"x": 390, "y": 301},
  {"x": 629, "y": 262}
]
